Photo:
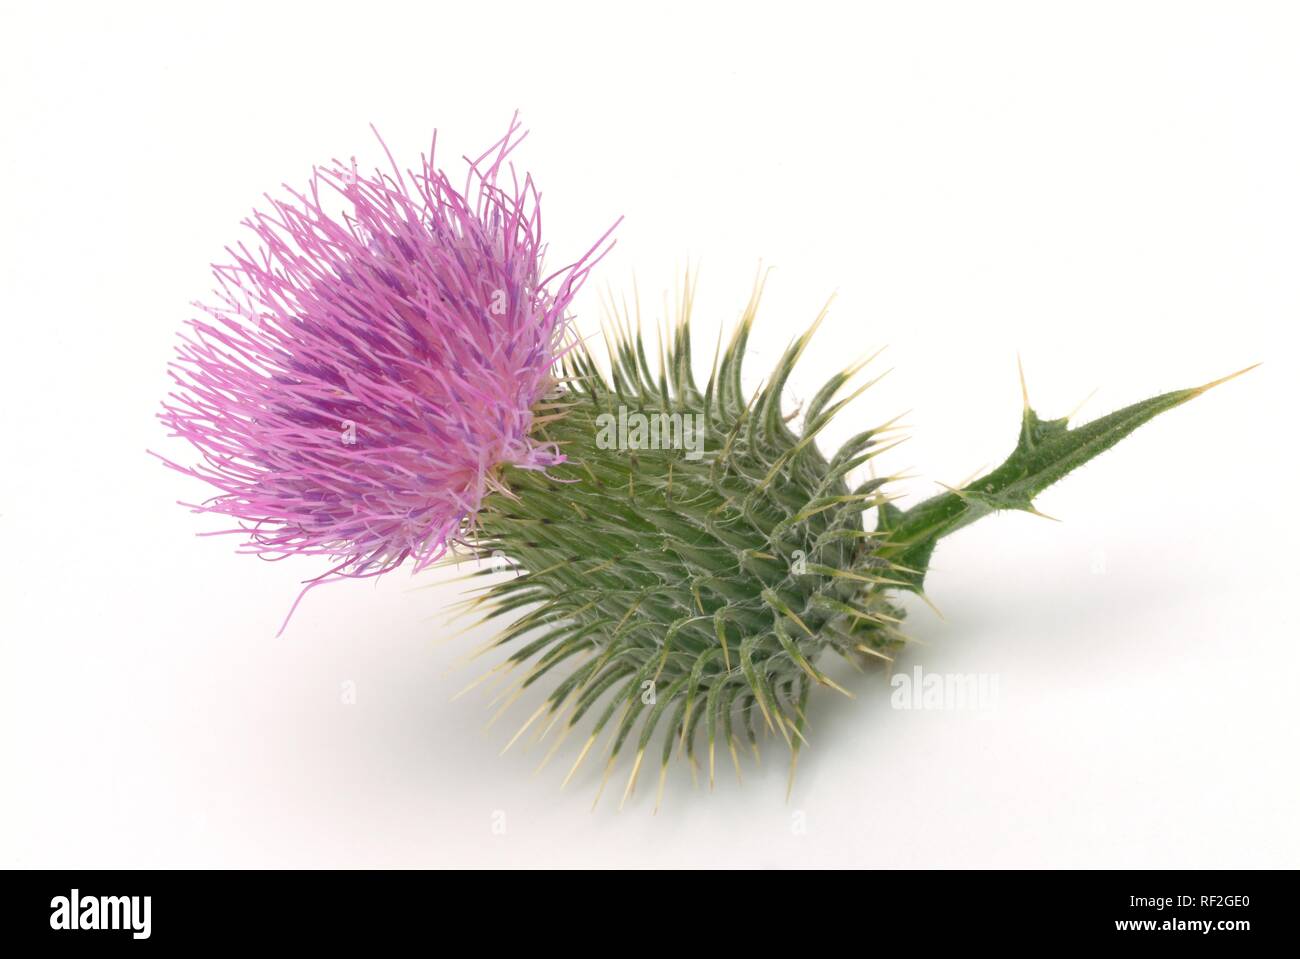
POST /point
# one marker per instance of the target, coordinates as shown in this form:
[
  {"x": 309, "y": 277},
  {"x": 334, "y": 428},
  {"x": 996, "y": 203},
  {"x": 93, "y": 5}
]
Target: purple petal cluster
[{"x": 373, "y": 360}]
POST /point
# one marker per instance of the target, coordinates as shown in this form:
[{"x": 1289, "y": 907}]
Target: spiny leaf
[{"x": 1046, "y": 451}]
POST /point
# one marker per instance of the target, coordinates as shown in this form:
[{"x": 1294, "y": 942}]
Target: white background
[{"x": 1113, "y": 190}]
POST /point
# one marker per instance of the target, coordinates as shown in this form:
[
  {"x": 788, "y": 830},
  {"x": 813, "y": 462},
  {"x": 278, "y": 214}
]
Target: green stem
[{"x": 1046, "y": 451}]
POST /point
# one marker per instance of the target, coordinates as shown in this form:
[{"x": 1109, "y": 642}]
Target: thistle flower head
[{"x": 364, "y": 375}]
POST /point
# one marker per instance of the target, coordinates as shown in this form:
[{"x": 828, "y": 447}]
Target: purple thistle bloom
[{"x": 366, "y": 374}]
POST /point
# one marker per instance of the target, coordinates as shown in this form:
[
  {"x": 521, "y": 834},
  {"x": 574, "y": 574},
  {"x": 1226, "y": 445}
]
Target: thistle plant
[{"x": 686, "y": 559}]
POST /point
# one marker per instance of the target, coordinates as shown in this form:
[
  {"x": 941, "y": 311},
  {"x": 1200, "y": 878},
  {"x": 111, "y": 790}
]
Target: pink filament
[{"x": 364, "y": 375}]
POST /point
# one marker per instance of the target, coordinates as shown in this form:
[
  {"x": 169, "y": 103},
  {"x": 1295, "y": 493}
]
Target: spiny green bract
[{"x": 689, "y": 592}]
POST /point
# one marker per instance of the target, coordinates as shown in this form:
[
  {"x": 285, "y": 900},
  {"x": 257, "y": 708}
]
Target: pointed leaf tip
[{"x": 1223, "y": 379}]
